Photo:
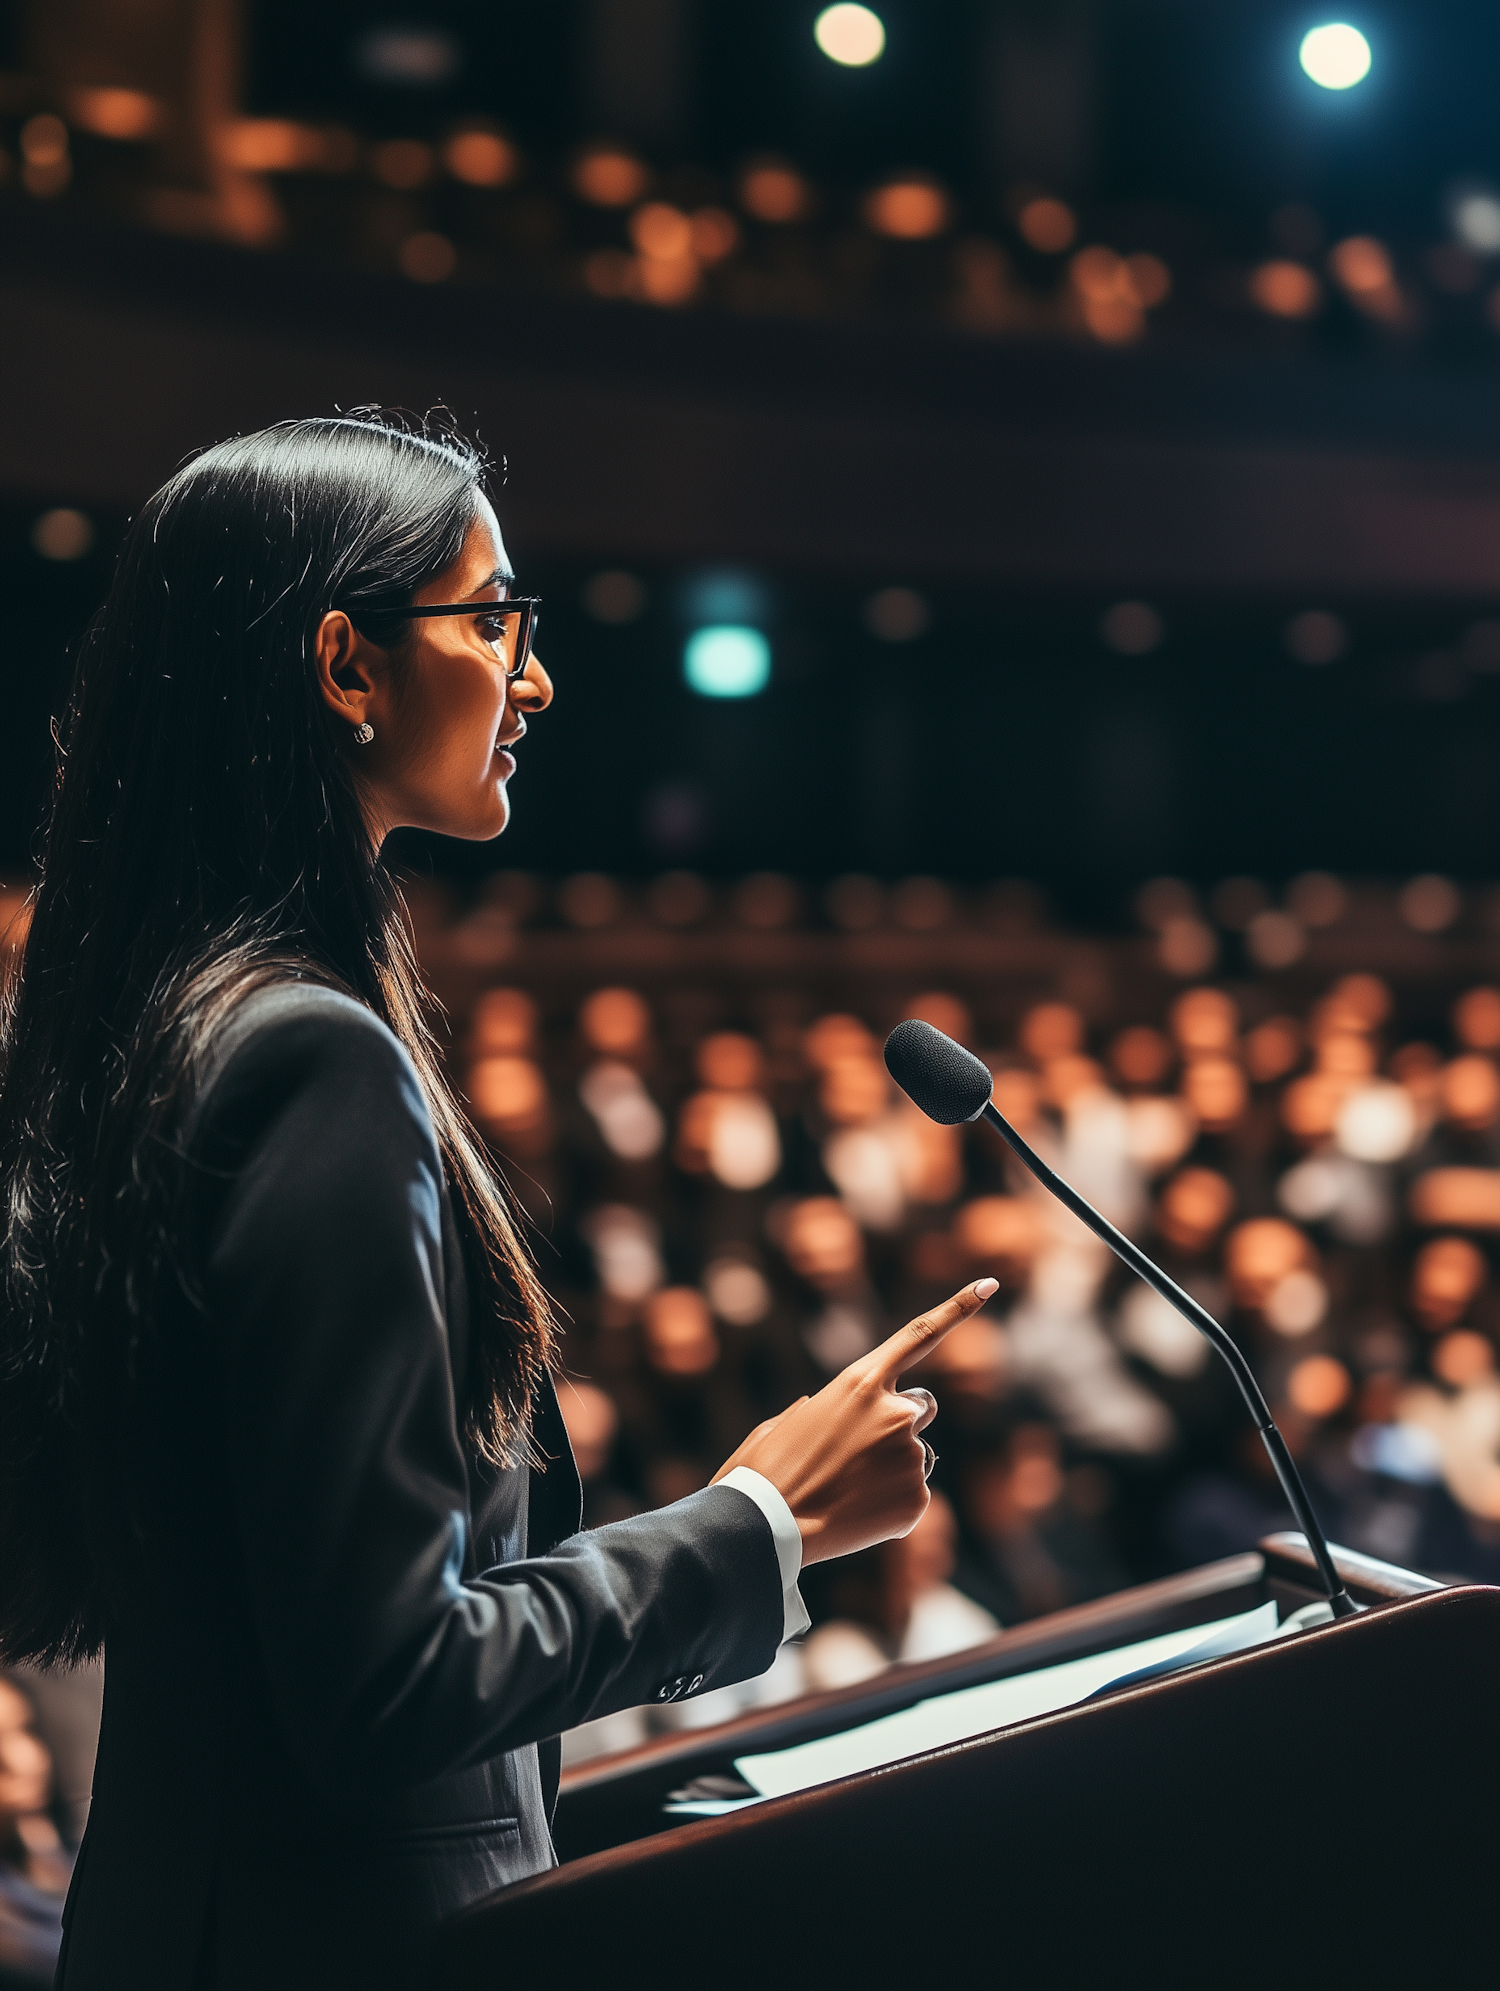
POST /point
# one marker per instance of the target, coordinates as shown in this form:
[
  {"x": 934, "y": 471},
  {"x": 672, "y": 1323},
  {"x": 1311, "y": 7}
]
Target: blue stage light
[
  {"x": 1335, "y": 56},
  {"x": 727, "y": 660}
]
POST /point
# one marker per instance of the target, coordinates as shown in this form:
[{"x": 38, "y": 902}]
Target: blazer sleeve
[{"x": 322, "y": 1281}]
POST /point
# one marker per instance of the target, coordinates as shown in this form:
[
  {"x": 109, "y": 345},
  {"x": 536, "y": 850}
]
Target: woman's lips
[{"x": 507, "y": 763}]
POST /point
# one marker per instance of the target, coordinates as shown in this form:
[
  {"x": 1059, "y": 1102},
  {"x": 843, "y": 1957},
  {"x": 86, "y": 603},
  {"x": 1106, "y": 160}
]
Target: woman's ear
[{"x": 347, "y": 667}]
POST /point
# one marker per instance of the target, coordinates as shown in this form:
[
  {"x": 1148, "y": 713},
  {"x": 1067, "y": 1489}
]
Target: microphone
[{"x": 953, "y": 1087}]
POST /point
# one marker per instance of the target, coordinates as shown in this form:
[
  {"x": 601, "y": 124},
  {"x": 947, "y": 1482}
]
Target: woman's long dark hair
[{"x": 205, "y": 837}]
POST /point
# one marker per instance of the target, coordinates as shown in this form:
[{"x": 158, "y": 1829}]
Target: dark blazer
[{"x": 331, "y": 1705}]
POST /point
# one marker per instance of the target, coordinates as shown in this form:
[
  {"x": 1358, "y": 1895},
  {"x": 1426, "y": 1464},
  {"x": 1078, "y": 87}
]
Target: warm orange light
[
  {"x": 1051, "y": 1030},
  {"x": 1141, "y": 1056},
  {"x": 1204, "y": 1021},
  {"x": 1260, "y": 1254},
  {"x": 1346, "y": 1054},
  {"x": 1318, "y": 1386},
  {"x": 509, "y": 1098},
  {"x": 774, "y": 192},
  {"x": 1048, "y": 225},
  {"x": 44, "y": 140},
  {"x": 1000, "y": 1234},
  {"x": 944, "y": 1012},
  {"x": 1115, "y": 290},
  {"x": 1467, "y": 1198},
  {"x": 1113, "y": 320},
  {"x": 1099, "y": 275},
  {"x": 1430, "y": 903},
  {"x": 610, "y": 178},
  {"x": 1361, "y": 264},
  {"x": 835, "y": 1037},
  {"x": 615, "y": 1022},
  {"x": 504, "y": 1023},
  {"x": 1363, "y": 267},
  {"x": 1215, "y": 1092},
  {"x": 112, "y": 113},
  {"x": 1310, "y": 1105},
  {"x": 822, "y": 1242},
  {"x": 270, "y": 145},
  {"x": 1286, "y": 290},
  {"x": 731, "y": 1062},
  {"x": 1187, "y": 946},
  {"x": 1367, "y": 996},
  {"x": 1471, "y": 1093},
  {"x": 667, "y": 279},
  {"x": 679, "y": 1332},
  {"x": 854, "y": 1091},
  {"x": 909, "y": 210},
  {"x": 481, "y": 158},
  {"x": 1476, "y": 1018},
  {"x": 1463, "y": 1358},
  {"x": 1067, "y": 1079},
  {"x": 1273, "y": 1048},
  {"x": 661, "y": 231},
  {"x": 1445, "y": 1277},
  {"x": 1194, "y": 1208}
]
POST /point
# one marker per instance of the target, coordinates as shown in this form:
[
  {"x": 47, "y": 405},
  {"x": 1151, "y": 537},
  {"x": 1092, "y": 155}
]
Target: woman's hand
[{"x": 849, "y": 1462}]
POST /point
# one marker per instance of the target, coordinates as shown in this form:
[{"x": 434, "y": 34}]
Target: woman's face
[{"x": 445, "y": 717}]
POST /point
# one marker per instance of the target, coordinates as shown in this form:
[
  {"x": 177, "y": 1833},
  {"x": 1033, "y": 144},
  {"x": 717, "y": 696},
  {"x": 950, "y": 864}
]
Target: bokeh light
[
  {"x": 908, "y": 209},
  {"x": 1336, "y": 56},
  {"x": 63, "y": 534},
  {"x": 727, "y": 660},
  {"x": 852, "y": 36}
]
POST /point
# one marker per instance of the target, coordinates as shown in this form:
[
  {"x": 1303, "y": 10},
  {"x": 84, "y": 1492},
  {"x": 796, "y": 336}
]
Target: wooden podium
[{"x": 1324, "y": 1809}]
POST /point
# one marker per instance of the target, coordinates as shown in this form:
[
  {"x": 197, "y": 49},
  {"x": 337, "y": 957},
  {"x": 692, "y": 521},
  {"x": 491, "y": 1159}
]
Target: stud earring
[{"x": 363, "y": 734}]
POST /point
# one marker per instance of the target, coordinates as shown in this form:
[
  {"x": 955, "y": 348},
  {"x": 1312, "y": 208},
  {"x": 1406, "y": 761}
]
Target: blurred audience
[{"x": 741, "y": 1203}]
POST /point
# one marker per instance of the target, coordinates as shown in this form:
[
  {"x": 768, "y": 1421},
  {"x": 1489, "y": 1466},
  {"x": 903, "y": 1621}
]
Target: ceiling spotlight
[
  {"x": 851, "y": 36},
  {"x": 1335, "y": 56}
]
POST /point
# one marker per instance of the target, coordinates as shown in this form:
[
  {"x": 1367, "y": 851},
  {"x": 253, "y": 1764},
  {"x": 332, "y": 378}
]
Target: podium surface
[{"x": 1317, "y": 1809}]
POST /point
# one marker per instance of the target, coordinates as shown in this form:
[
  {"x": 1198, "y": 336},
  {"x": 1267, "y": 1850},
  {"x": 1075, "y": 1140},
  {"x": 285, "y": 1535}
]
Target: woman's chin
[{"x": 498, "y": 814}]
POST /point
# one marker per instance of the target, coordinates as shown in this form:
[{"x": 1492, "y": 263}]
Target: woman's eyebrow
[{"x": 502, "y": 576}]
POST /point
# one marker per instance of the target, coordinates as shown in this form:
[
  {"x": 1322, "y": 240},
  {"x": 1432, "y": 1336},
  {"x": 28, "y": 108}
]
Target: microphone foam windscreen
[{"x": 949, "y": 1083}]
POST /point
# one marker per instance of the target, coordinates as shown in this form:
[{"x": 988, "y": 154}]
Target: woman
[{"x": 278, "y": 1423}]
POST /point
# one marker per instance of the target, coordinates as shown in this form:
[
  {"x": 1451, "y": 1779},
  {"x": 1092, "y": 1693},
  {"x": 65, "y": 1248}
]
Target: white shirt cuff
[{"x": 788, "y": 1539}]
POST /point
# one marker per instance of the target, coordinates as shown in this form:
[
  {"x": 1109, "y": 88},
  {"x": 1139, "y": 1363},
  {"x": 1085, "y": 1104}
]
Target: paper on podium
[{"x": 949, "y": 1718}]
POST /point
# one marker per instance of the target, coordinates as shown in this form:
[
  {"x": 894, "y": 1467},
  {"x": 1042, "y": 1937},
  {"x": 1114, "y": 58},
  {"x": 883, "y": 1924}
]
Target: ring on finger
[{"x": 929, "y": 1459}]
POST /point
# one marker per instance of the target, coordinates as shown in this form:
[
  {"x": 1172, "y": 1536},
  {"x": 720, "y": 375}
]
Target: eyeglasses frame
[{"x": 526, "y": 606}]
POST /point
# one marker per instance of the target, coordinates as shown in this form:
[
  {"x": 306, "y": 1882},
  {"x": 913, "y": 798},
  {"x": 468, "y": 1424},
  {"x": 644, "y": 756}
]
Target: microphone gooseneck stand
[{"x": 1342, "y": 1604}]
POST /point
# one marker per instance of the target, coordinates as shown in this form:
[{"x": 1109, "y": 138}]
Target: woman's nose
[{"x": 532, "y": 690}]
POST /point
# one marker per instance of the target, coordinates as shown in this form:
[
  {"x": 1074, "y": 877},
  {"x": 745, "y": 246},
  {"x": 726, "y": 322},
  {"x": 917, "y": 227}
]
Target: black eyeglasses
[{"x": 525, "y": 607}]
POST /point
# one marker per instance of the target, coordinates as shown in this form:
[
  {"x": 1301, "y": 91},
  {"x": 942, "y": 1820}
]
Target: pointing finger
[{"x": 910, "y": 1343}]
